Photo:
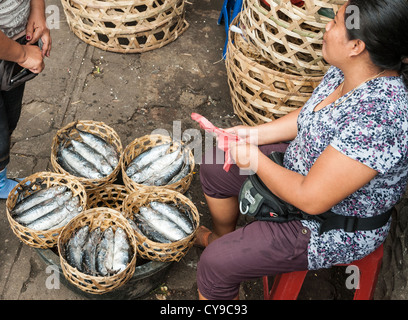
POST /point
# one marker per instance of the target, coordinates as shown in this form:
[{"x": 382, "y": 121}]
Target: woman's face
[{"x": 335, "y": 41}]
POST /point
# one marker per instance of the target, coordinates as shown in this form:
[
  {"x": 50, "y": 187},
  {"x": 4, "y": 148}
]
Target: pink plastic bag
[{"x": 224, "y": 138}]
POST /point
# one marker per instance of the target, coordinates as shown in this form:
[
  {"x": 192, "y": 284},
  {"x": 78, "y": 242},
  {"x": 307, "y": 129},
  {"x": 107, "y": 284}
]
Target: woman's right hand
[{"x": 32, "y": 58}]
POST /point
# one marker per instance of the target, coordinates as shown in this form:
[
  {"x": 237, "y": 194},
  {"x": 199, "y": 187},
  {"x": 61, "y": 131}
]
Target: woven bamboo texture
[
  {"x": 103, "y": 218},
  {"x": 126, "y": 26},
  {"x": 98, "y": 128},
  {"x": 149, "y": 249},
  {"x": 259, "y": 91},
  {"x": 289, "y": 36},
  {"x": 142, "y": 144},
  {"x": 34, "y": 238},
  {"x": 108, "y": 196}
]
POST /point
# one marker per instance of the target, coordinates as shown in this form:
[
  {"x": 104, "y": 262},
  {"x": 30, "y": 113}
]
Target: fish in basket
[
  {"x": 91, "y": 158},
  {"x": 98, "y": 253},
  {"x": 159, "y": 165},
  {"x": 47, "y": 209},
  {"x": 163, "y": 222},
  {"x": 157, "y": 161},
  {"x": 42, "y": 204},
  {"x": 98, "y": 250}
]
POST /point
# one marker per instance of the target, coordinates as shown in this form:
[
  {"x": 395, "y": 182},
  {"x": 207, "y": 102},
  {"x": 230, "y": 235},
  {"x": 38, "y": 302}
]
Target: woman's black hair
[{"x": 382, "y": 26}]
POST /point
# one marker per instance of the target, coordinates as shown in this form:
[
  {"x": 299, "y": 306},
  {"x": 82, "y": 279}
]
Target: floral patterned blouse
[{"x": 371, "y": 126}]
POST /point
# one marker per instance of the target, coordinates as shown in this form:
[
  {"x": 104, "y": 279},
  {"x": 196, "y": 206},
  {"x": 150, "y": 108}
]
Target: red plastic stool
[{"x": 287, "y": 286}]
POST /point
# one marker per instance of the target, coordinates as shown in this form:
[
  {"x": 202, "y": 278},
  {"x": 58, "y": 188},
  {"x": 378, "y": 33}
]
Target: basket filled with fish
[
  {"x": 165, "y": 223},
  {"x": 158, "y": 161},
  {"x": 109, "y": 196},
  {"x": 88, "y": 150},
  {"x": 41, "y": 205},
  {"x": 98, "y": 250}
]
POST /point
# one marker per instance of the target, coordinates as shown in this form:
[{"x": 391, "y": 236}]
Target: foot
[
  {"x": 202, "y": 236},
  {"x": 6, "y": 188}
]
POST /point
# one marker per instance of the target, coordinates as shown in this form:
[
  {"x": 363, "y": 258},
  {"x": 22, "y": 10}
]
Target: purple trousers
[{"x": 260, "y": 248}]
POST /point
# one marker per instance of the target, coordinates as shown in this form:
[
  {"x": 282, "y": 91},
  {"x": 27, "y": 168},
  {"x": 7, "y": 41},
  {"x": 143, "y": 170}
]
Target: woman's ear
[{"x": 357, "y": 47}]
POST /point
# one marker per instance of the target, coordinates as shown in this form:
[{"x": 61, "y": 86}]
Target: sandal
[{"x": 202, "y": 237}]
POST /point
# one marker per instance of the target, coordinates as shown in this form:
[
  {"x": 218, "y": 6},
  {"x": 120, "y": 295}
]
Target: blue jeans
[{"x": 10, "y": 110}]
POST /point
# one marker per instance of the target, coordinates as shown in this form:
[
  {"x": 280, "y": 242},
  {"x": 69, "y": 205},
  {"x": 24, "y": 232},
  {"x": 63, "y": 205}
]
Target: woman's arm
[
  {"x": 27, "y": 56},
  {"x": 279, "y": 130},
  {"x": 332, "y": 178},
  {"x": 10, "y": 50}
]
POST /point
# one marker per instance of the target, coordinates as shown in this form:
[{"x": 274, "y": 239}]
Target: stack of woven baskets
[
  {"x": 126, "y": 26},
  {"x": 276, "y": 63},
  {"x": 105, "y": 203}
]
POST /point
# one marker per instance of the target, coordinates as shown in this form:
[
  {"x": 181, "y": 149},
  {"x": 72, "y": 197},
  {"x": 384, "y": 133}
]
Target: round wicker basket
[
  {"x": 260, "y": 92},
  {"x": 140, "y": 145},
  {"x": 103, "y": 218},
  {"x": 149, "y": 249},
  {"x": 126, "y": 26},
  {"x": 33, "y": 238},
  {"x": 98, "y": 128},
  {"x": 289, "y": 36},
  {"x": 108, "y": 196}
]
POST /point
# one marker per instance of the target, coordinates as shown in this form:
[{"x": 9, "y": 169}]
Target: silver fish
[
  {"x": 64, "y": 164},
  {"x": 102, "y": 146},
  {"x": 168, "y": 173},
  {"x": 89, "y": 259},
  {"x": 38, "y": 197},
  {"x": 121, "y": 250},
  {"x": 132, "y": 224},
  {"x": 72, "y": 214},
  {"x": 174, "y": 215},
  {"x": 105, "y": 250},
  {"x": 93, "y": 157},
  {"x": 146, "y": 158},
  {"x": 54, "y": 217},
  {"x": 183, "y": 172},
  {"x": 75, "y": 245},
  {"x": 42, "y": 208},
  {"x": 154, "y": 167},
  {"x": 79, "y": 164},
  {"x": 143, "y": 227},
  {"x": 162, "y": 224}
]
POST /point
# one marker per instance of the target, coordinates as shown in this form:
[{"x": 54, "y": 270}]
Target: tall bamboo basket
[
  {"x": 149, "y": 249},
  {"x": 142, "y": 144},
  {"x": 289, "y": 36},
  {"x": 126, "y": 26},
  {"x": 103, "y": 218},
  {"x": 261, "y": 92},
  {"x": 95, "y": 127},
  {"x": 34, "y": 238}
]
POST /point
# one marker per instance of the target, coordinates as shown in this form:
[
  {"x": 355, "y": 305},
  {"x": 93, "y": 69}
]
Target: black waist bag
[{"x": 256, "y": 200}]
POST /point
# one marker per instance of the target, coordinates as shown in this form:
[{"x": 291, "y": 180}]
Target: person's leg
[
  {"x": 221, "y": 191},
  {"x": 255, "y": 250},
  {"x": 4, "y": 135},
  {"x": 10, "y": 110},
  {"x": 224, "y": 214},
  {"x": 13, "y": 101}
]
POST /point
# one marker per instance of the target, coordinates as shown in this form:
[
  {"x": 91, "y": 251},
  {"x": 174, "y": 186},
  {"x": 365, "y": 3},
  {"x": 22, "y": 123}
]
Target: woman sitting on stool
[{"x": 348, "y": 154}]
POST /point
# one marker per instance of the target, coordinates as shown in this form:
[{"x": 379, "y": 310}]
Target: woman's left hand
[
  {"x": 37, "y": 27},
  {"x": 245, "y": 155}
]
